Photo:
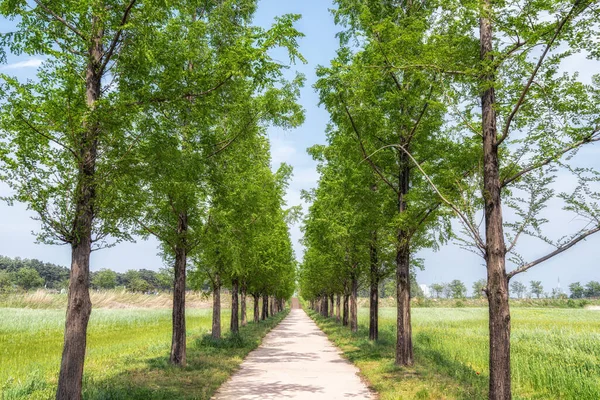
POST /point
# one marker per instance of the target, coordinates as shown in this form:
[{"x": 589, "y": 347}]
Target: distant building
[{"x": 425, "y": 289}]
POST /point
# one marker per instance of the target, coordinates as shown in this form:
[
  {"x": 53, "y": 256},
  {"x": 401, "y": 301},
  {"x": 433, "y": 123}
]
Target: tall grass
[
  {"x": 127, "y": 354},
  {"x": 555, "y": 353},
  {"x": 113, "y": 299}
]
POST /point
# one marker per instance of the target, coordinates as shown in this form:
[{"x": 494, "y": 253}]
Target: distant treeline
[
  {"x": 27, "y": 274},
  {"x": 458, "y": 290}
]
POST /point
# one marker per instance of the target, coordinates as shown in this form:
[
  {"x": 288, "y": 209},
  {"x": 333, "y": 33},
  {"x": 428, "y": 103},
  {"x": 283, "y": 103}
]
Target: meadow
[
  {"x": 127, "y": 353},
  {"x": 555, "y": 353}
]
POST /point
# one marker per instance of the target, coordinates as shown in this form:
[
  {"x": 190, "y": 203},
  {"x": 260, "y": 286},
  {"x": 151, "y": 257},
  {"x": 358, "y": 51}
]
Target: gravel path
[{"x": 295, "y": 361}]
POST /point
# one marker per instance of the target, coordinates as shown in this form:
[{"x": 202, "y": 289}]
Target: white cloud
[
  {"x": 280, "y": 153},
  {"x": 31, "y": 63},
  {"x": 306, "y": 178}
]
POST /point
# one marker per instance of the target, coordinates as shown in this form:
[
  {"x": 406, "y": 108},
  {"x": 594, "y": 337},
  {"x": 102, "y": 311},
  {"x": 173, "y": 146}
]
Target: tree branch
[
  {"x": 152, "y": 232},
  {"x": 556, "y": 252},
  {"x": 186, "y": 96},
  {"x": 590, "y": 139},
  {"x": 362, "y": 147},
  {"x": 61, "y": 20},
  {"x": 108, "y": 54},
  {"x": 534, "y": 73},
  {"x": 50, "y": 138},
  {"x": 463, "y": 217},
  {"x": 231, "y": 141}
]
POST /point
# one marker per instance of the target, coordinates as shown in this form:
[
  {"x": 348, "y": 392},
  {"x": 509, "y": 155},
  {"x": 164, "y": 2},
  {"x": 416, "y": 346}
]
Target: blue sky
[{"x": 318, "y": 47}]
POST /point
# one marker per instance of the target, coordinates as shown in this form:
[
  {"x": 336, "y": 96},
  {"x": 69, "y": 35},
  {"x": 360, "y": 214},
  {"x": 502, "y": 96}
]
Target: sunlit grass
[
  {"x": 555, "y": 353},
  {"x": 127, "y": 354}
]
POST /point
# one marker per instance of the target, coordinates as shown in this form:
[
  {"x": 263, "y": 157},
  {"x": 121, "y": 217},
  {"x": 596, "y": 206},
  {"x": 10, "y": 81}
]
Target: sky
[{"x": 318, "y": 47}]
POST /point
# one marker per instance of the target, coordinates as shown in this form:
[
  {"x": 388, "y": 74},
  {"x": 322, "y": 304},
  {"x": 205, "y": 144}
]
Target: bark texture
[
  {"x": 216, "y": 315},
  {"x": 178, "y": 342},
  {"x": 256, "y": 307},
  {"x": 354, "y": 304},
  {"x": 331, "y": 306},
  {"x": 243, "y": 306},
  {"x": 79, "y": 306},
  {"x": 265, "y": 307},
  {"x": 374, "y": 293},
  {"x": 324, "y": 306},
  {"x": 338, "y": 311},
  {"x": 234, "y": 324},
  {"x": 345, "y": 313},
  {"x": 495, "y": 252},
  {"x": 404, "y": 348}
]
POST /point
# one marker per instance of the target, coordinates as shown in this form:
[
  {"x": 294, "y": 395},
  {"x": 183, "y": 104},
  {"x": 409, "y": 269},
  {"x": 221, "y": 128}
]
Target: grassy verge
[
  {"x": 127, "y": 355},
  {"x": 555, "y": 353}
]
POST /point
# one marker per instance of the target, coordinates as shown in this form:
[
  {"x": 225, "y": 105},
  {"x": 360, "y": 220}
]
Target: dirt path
[{"x": 295, "y": 361}]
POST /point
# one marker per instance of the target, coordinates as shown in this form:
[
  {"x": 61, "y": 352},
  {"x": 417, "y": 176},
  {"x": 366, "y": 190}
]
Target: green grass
[
  {"x": 555, "y": 353},
  {"x": 127, "y": 354}
]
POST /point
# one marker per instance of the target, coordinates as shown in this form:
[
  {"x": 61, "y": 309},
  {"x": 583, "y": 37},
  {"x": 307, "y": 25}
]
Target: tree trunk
[
  {"x": 256, "y": 308},
  {"x": 331, "y": 306},
  {"x": 495, "y": 252},
  {"x": 265, "y": 307},
  {"x": 272, "y": 305},
  {"x": 345, "y": 315},
  {"x": 79, "y": 306},
  {"x": 374, "y": 295},
  {"x": 338, "y": 312},
  {"x": 78, "y": 314},
  {"x": 353, "y": 303},
  {"x": 404, "y": 348},
  {"x": 178, "y": 342},
  {"x": 244, "y": 316},
  {"x": 234, "y": 325},
  {"x": 216, "y": 320}
]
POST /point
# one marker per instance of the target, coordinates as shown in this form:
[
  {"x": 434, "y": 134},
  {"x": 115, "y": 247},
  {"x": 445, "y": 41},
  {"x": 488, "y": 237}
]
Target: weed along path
[{"x": 295, "y": 361}]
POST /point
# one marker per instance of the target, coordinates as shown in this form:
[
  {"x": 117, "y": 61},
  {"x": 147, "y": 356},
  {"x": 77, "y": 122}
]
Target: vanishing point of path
[{"x": 295, "y": 361}]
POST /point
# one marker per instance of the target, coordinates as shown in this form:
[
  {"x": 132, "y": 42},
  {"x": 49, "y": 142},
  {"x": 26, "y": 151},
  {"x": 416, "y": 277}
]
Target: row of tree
[
  {"x": 445, "y": 114},
  {"x": 148, "y": 118},
  {"x": 39, "y": 273},
  {"x": 29, "y": 274}
]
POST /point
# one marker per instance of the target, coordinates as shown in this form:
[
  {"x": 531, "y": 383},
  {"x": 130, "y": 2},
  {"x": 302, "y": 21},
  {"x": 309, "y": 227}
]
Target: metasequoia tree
[
  {"x": 341, "y": 230},
  {"x": 528, "y": 119},
  {"x": 213, "y": 83},
  {"x": 384, "y": 108},
  {"x": 67, "y": 137},
  {"x": 246, "y": 247}
]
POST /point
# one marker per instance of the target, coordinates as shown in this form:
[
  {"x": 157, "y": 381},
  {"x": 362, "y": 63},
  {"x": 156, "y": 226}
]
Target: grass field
[
  {"x": 555, "y": 353},
  {"x": 127, "y": 354},
  {"x": 114, "y": 299}
]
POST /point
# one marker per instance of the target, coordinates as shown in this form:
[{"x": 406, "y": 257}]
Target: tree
[
  {"x": 536, "y": 288},
  {"x": 67, "y": 137},
  {"x": 139, "y": 285},
  {"x": 479, "y": 288},
  {"x": 213, "y": 83},
  {"x": 508, "y": 83},
  {"x": 105, "y": 279},
  {"x": 28, "y": 278},
  {"x": 518, "y": 289},
  {"x": 6, "y": 281},
  {"x": 457, "y": 289},
  {"x": 382, "y": 110},
  {"x": 437, "y": 289},
  {"x": 592, "y": 289},
  {"x": 164, "y": 278},
  {"x": 53, "y": 275},
  {"x": 577, "y": 290}
]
